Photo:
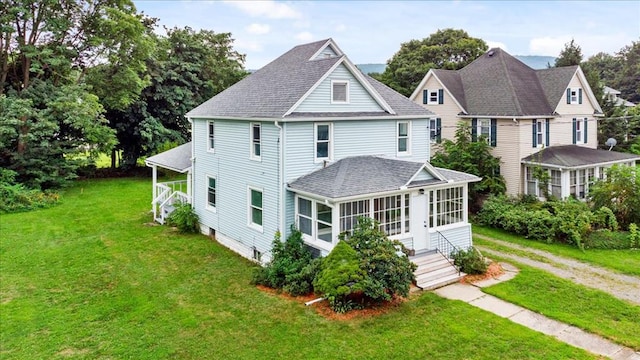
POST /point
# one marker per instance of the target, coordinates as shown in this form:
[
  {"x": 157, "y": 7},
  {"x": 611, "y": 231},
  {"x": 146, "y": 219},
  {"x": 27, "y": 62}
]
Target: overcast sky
[{"x": 372, "y": 31}]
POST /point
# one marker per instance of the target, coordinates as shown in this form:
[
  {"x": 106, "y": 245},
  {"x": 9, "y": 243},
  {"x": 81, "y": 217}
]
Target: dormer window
[
  {"x": 339, "y": 91},
  {"x": 574, "y": 96}
]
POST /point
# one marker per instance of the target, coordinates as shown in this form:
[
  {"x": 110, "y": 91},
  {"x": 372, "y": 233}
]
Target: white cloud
[
  {"x": 243, "y": 45},
  {"x": 341, "y": 28},
  {"x": 304, "y": 36},
  {"x": 268, "y": 8},
  {"x": 496, "y": 44},
  {"x": 548, "y": 45},
  {"x": 258, "y": 29}
]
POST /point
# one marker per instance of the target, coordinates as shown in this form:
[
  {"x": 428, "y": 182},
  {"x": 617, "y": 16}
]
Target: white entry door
[{"x": 419, "y": 221}]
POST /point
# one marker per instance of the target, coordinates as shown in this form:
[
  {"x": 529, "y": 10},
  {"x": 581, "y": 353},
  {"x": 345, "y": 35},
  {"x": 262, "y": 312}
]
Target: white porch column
[
  {"x": 465, "y": 200},
  {"x": 154, "y": 172},
  {"x": 566, "y": 179},
  {"x": 335, "y": 222}
]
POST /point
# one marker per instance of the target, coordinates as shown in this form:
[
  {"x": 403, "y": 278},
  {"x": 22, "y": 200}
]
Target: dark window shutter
[
  {"x": 569, "y": 96},
  {"x": 425, "y": 96},
  {"x": 441, "y": 96},
  {"x": 574, "y": 130},
  {"x": 534, "y": 131},
  {"x": 546, "y": 129},
  {"x": 438, "y": 130},
  {"x": 474, "y": 129},
  {"x": 585, "y": 130},
  {"x": 579, "y": 96},
  {"x": 494, "y": 131}
]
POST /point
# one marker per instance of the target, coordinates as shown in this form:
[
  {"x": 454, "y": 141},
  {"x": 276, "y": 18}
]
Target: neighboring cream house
[
  {"x": 523, "y": 113},
  {"x": 613, "y": 96}
]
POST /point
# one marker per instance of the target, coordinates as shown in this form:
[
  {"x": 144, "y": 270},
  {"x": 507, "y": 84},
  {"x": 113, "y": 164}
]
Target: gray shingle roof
[
  {"x": 274, "y": 89},
  {"x": 177, "y": 159},
  {"x": 362, "y": 175},
  {"x": 498, "y": 84},
  {"x": 569, "y": 156}
]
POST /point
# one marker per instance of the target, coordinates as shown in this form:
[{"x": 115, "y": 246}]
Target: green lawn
[
  {"x": 623, "y": 261},
  {"x": 91, "y": 279},
  {"x": 563, "y": 300}
]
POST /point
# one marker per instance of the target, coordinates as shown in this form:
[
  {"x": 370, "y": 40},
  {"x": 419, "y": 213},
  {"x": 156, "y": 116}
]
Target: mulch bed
[
  {"x": 322, "y": 307},
  {"x": 493, "y": 271}
]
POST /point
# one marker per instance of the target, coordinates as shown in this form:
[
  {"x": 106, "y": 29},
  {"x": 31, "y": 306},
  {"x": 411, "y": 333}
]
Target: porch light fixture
[{"x": 421, "y": 191}]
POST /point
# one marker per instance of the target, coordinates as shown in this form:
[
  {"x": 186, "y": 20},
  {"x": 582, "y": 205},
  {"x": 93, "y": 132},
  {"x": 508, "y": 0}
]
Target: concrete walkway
[{"x": 473, "y": 295}]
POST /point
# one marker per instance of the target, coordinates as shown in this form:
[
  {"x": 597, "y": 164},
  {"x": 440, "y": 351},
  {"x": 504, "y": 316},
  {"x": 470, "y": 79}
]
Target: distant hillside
[
  {"x": 372, "y": 68},
  {"x": 533, "y": 61}
]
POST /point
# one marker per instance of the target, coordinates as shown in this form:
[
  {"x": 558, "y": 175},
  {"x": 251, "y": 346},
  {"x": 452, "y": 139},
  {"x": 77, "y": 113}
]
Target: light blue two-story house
[{"x": 310, "y": 141}]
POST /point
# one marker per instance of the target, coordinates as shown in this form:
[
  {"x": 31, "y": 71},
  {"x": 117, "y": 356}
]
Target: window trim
[
  {"x": 313, "y": 239},
  {"x": 431, "y": 100},
  {"x": 407, "y": 137},
  {"x": 329, "y": 157},
  {"x": 208, "y": 206},
  {"x": 446, "y": 209},
  {"x": 211, "y": 136},
  {"x": 346, "y": 89},
  {"x": 252, "y": 141},
  {"x": 250, "y": 222}
]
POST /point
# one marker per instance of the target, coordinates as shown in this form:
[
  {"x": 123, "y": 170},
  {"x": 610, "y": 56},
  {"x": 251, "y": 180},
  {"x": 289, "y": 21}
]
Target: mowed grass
[
  {"x": 563, "y": 300},
  {"x": 91, "y": 279},
  {"x": 622, "y": 261}
]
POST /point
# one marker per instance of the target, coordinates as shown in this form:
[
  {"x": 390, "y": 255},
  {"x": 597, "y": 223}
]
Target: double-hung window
[
  {"x": 315, "y": 219},
  {"x": 404, "y": 138},
  {"x": 446, "y": 206},
  {"x": 211, "y": 136},
  {"x": 556, "y": 183},
  {"x": 540, "y": 132},
  {"x": 256, "y": 141},
  {"x": 255, "y": 208},
  {"x": 339, "y": 91},
  {"x": 484, "y": 129},
  {"x": 323, "y": 142},
  {"x": 580, "y": 131},
  {"x": 211, "y": 192}
]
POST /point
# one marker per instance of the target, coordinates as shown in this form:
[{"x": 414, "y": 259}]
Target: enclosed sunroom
[
  {"x": 413, "y": 202},
  {"x": 570, "y": 170}
]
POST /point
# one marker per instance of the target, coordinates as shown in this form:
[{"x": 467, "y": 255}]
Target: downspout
[
  {"x": 280, "y": 178},
  {"x": 191, "y": 181}
]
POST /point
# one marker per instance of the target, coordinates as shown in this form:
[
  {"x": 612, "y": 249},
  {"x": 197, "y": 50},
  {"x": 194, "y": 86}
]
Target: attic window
[{"x": 339, "y": 91}]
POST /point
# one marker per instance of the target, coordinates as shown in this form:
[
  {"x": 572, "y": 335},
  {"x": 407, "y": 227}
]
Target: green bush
[
  {"x": 341, "y": 277},
  {"x": 604, "y": 218},
  {"x": 470, "y": 261},
  {"x": 388, "y": 268},
  {"x": 291, "y": 269},
  {"x": 15, "y": 197},
  {"x": 184, "y": 218}
]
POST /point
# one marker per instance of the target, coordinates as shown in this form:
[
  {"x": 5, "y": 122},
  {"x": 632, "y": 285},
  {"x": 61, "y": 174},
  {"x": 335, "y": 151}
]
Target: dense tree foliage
[
  {"x": 620, "y": 71},
  {"x": 620, "y": 192},
  {"x": 473, "y": 157},
  {"x": 445, "y": 49},
  {"x": 187, "y": 68},
  {"x": 48, "y": 115}
]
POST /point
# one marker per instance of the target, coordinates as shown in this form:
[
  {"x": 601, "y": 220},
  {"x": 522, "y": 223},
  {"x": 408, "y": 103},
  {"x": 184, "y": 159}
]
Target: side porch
[{"x": 166, "y": 195}]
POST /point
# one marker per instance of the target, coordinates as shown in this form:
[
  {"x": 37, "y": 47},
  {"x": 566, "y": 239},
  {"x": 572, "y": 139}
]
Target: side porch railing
[
  {"x": 168, "y": 194},
  {"x": 446, "y": 248}
]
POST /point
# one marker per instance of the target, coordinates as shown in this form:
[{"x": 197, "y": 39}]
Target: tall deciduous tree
[
  {"x": 473, "y": 157},
  {"x": 445, "y": 49},
  {"x": 188, "y": 68},
  {"x": 46, "y": 49}
]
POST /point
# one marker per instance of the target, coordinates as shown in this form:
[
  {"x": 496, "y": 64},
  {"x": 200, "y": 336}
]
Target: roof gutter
[{"x": 319, "y": 118}]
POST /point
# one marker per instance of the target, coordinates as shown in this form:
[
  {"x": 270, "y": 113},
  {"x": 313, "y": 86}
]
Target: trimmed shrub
[
  {"x": 470, "y": 261},
  {"x": 184, "y": 218},
  {"x": 341, "y": 277}
]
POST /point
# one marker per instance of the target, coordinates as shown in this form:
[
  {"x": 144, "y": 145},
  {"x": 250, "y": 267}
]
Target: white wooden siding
[
  {"x": 320, "y": 99},
  {"x": 350, "y": 138},
  {"x": 458, "y": 236},
  {"x": 423, "y": 175},
  {"x": 234, "y": 172}
]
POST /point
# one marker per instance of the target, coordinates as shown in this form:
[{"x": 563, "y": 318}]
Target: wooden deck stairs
[{"x": 434, "y": 271}]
